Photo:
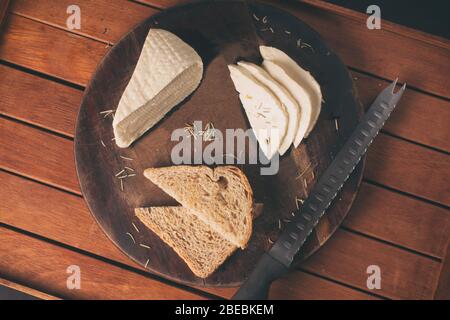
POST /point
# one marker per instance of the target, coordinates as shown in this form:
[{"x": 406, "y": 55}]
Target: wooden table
[{"x": 400, "y": 221}]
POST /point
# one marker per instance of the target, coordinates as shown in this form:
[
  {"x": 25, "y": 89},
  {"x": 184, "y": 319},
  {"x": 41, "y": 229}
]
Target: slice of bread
[
  {"x": 221, "y": 198},
  {"x": 203, "y": 249}
]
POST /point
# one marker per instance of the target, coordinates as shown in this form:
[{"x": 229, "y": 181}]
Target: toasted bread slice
[
  {"x": 221, "y": 198},
  {"x": 203, "y": 249}
]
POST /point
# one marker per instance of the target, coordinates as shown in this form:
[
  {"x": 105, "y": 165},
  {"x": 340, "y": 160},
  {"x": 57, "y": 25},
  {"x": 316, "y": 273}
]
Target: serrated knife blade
[{"x": 278, "y": 259}]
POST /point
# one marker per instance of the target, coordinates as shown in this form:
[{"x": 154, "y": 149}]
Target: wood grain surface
[
  {"x": 27, "y": 290},
  {"x": 44, "y": 266},
  {"x": 416, "y": 227}
]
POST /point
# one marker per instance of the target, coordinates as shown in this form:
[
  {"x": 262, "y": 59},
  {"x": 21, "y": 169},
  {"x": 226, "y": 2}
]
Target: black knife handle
[{"x": 256, "y": 287}]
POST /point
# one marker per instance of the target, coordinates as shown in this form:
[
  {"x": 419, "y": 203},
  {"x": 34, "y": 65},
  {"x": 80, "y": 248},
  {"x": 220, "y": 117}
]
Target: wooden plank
[
  {"x": 67, "y": 218},
  {"x": 56, "y": 167},
  {"x": 38, "y": 101},
  {"x": 390, "y": 162},
  {"x": 404, "y": 275},
  {"x": 103, "y": 20},
  {"x": 420, "y": 62},
  {"x": 416, "y": 110},
  {"x": 43, "y": 266},
  {"x": 410, "y": 168},
  {"x": 20, "y": 210},
  {"x": 31, "y": 99},
  {"x": 387, "y": 25},
  {"x": 399, "y": 219},
  {"x": 38, "y": 155},
  {"x": 298, "y": 285},
  {"x": 163, "y": 4},
  {"x": 415, "y": 114},
  {"x": 69, "y": 210},
  {"x": 56, "y": 52},
  {"x": 30, "y": 291}
]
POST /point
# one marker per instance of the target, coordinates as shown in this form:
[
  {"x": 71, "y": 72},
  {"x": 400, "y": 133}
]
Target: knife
[{"x": 276, "y": 262}]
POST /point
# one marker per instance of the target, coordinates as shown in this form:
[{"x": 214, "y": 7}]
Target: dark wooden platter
[{"x": 222, "y": 32}]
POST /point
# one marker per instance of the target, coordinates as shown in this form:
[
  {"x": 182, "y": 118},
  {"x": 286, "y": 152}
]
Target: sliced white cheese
[
  {"x": 264, "y": 111},
  {"x": 168, "y": 70},
  {"x": 299, "y": 94},
  {"x": 300, "y": 75},
  {"x": 291, "y": 106}
]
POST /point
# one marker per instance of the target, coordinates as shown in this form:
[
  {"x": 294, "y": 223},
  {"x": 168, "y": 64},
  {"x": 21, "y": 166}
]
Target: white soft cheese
[
  {"x": 285, "y": 98},
  {"x": 264, "y": 111},
  {"x": 299, "y": 75},
  {"x": 299, "y": 94},
  {"x": 168, "y": 70}
]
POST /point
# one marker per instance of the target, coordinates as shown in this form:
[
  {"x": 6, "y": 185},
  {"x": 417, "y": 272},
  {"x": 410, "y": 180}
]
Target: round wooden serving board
[{"x": 222, "y": 32}]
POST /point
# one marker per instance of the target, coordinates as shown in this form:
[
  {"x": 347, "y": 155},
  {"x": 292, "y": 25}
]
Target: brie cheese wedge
[
  {"x": 301, "y": 76},
  {"x": 264, "y": 111},
  {"x": 168, "y": 70},
  {"x": 291, "y": 106}
]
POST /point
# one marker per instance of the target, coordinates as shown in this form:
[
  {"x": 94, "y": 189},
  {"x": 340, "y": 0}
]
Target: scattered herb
[
  {"x": 260, "y": 115},
  {"x": 131, "y": 236},
  {"x": 107, "y": 113},
  {"x": 120, "y": 172},
  {"x": 306, "y": 45},
  {"x": 298, "y": 201},
  {"x": 126, "y": 158},
  {"x": 304, "y": 171}
]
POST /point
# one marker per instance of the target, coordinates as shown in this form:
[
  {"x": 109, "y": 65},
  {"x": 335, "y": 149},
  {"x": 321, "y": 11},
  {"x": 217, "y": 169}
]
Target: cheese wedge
[
  {"x": 285, "y": 98},
  {"x": 265, "y": 113},
  {"x": 301, "y": 76},
  {"x": 299, "y": 94},
  {"x": 168, "y": 70}
]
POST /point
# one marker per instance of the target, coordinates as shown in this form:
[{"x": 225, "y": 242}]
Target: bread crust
[
  {"x": 153, "y": 173},
  {"x": 171, "y": 239}
]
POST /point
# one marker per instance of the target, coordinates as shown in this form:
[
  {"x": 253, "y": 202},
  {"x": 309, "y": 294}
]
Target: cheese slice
[
  {"x": 265, "y": 113},
  {"x": 299, "y": 94},
  {"x": 285, "y": 98},
  {"x": 301, "y": 76},
  {"x": 168, "y": 70}
]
